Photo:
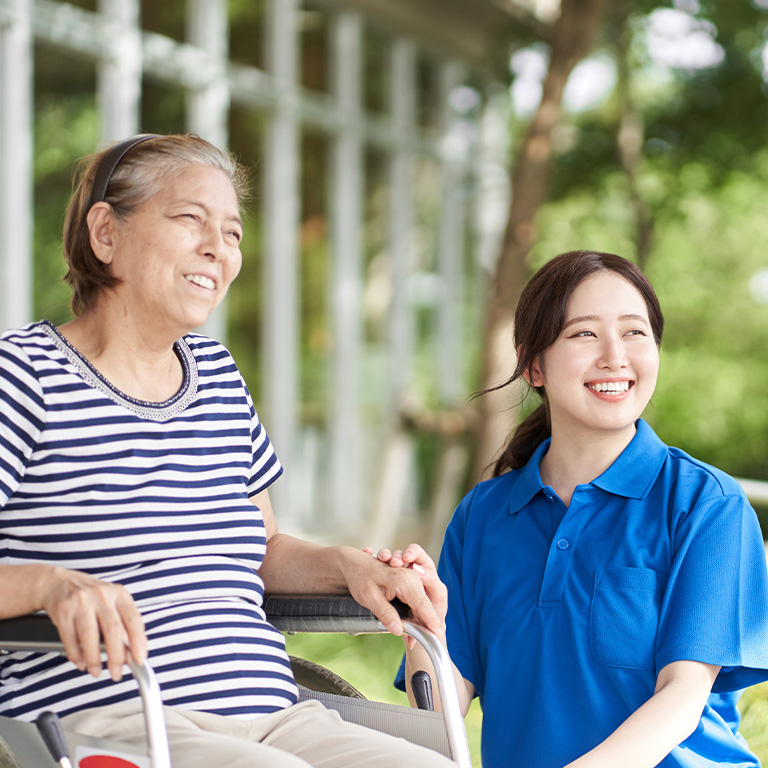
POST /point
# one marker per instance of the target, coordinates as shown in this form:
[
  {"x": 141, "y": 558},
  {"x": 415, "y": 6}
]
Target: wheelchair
[{"x": 22, "y": 747}]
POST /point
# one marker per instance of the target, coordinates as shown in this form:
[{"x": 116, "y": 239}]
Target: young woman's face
[
  {"x": 601, "y": 371},
  {"x": 179, "y": 252}
]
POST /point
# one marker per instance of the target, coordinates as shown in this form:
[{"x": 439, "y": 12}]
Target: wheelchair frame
[{"x": 290, "y": 614}]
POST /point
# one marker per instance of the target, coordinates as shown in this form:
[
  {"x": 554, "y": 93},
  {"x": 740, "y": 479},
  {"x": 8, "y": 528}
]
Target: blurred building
[{"x": 377, "y": 134}]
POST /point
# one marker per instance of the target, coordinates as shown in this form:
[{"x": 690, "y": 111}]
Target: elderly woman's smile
[
  {"x": 177, "y": 255},
  {"x": 202, "y": 281}
]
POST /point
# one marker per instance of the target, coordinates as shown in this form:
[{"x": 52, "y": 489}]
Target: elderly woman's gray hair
[{"x": 138, "y": 177}]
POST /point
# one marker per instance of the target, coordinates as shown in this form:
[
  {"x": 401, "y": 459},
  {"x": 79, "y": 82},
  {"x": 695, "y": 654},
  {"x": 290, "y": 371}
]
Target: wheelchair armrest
[
  {"x": 37, "y": 632},
  {"x": 324, "y": 613},
  {"x": 342, "y": 613}
]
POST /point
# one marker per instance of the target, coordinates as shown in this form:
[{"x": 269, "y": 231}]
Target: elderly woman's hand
[
  {"x": 87, "y": 611},
  {"x": 379, "y": 579},
  {"x": 414, "y": 557}
]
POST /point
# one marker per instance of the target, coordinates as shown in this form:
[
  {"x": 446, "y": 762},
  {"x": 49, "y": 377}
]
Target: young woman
[
  {"x": 134, "y": 476},
  {"x": 607, "y": 594}
]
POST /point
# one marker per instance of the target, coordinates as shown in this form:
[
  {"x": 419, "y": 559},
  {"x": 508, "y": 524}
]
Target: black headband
[{"x": 109, "y": 162}]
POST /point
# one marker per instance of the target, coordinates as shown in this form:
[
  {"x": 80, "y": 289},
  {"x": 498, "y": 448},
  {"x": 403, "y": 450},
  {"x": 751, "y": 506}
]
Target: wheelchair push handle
[
  {"x": 421, "y": 685},
  {"x": 49, "y": 727}
]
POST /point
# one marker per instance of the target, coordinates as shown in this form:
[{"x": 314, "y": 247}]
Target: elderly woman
[{"x": 134, "y": 477}]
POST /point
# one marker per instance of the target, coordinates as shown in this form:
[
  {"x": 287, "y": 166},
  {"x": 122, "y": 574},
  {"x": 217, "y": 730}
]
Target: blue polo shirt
[{"x": 562, "y": 618}]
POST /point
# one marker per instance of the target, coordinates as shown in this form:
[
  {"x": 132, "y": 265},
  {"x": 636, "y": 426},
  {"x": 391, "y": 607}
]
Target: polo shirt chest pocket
[{"x": 624, "y": 616}]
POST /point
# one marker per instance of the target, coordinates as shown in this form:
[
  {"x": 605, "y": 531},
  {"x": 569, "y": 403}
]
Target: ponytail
[{"x": 526, "y": 438}]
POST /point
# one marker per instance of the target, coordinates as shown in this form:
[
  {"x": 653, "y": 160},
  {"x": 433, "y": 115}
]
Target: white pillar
[
  {"x": 119, "y": 76},
  {"x": 16, "y": 170},
  {"x": 281, "y": 247},
  {"x": 208, "y": 105},
  {"x": 451, "y": 239},
  {"x": 346, "y": 178},
  {"x": 401, "y": 196}
]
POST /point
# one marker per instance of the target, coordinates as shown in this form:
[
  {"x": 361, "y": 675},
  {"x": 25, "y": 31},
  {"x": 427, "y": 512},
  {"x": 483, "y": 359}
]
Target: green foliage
[
  {"x": 701, "y": 180},
  {"x": 710, "y": 399},
  {"x": 710, "y": 395},
  {"x": 754, "y": 722},
  {"x": 64, "y": 131}
]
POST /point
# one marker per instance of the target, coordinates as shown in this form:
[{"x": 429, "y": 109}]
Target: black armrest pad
[
  {"x": 289, "y": 613},
  {"x": 35, "y": 629},
  {"x": 323, "y": 613}
]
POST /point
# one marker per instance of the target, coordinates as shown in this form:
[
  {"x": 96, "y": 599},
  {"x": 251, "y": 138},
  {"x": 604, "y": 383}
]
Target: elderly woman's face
[{"x": 178, "y": 253}]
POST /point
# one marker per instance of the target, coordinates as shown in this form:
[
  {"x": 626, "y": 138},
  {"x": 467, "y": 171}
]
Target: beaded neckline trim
[{"x": 143, "y": 408}]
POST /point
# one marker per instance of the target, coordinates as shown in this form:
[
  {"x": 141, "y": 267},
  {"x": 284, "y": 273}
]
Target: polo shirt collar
[
  {"x": 528, "y": 481},
  {"x": 635, "y": 470},
  {"x": 632, "y": 475}
]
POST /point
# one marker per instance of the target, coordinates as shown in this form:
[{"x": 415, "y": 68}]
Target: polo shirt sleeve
[
  {"x": 460, "y": 631},
  {"x": 449, "y": 570},
  {"x": 715, "y": 605}
]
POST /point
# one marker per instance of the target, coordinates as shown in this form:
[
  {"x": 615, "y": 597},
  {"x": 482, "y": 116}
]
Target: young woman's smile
[
  {"x": 611, "y": 390},
  {"x": 601, "y": 371}
]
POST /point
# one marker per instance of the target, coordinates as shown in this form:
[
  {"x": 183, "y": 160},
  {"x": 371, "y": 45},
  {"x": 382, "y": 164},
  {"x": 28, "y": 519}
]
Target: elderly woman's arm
[
  {"x": 85, "y": 610},
  {"x": 296, "y": 566}
]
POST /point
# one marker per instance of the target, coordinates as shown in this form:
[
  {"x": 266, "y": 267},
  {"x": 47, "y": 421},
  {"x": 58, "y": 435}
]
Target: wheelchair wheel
[{"x": 318, "y": 678}]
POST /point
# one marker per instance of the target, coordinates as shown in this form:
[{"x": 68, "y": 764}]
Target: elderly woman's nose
[{"x": 212, "y": 242}]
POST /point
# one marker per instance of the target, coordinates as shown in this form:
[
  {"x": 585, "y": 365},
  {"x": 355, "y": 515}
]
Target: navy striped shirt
[{"x": 154, "y": 496}]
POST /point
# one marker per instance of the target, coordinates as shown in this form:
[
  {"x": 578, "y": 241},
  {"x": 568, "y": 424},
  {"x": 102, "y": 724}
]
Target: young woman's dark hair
[{"x": 539, "y": 320}]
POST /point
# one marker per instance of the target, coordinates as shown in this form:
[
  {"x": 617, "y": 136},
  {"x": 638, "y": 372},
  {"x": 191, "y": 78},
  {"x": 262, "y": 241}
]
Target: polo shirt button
[{"x": 562, "y": 544}]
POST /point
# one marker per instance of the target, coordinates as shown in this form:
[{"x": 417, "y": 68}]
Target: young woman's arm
[
  {"x": 416, "y": 657},
  {"x": 669, "y": 717}
]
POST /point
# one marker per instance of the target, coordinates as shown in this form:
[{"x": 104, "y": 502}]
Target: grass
[
  {"x": 754, "y": 720},
  {"x": 369, "y": 662}
]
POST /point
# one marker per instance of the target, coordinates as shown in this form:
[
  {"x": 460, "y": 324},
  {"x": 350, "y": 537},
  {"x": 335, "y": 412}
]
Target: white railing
[{"x": 756, "y": 490}]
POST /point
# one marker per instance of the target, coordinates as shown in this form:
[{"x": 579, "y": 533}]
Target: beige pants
[{"x": 306, "y": 734}]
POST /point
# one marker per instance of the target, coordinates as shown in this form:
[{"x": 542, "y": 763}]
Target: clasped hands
[{"x": 414, "y": 558}]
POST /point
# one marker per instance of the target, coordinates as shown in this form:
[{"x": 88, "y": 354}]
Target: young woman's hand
[
  {"x": 413, "y": 555},
  {"x": 415, "y": 558}
]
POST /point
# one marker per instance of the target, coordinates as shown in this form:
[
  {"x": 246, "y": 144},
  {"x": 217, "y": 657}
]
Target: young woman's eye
[
  {"x": 582, "y": 334},
  {"x": 637, "y": 332}
]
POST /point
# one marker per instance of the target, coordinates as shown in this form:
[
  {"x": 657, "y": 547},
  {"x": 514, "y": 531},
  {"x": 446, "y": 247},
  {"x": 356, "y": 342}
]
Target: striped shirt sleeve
[{"x": 22, "y": 415}]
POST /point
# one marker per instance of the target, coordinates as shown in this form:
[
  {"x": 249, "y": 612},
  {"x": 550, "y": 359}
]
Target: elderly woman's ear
[{"x": 101, "y": 225}]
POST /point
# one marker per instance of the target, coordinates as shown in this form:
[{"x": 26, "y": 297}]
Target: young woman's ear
[
  {"x": 533, "y": 375},
  {"x": 101, "y": 226}
]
